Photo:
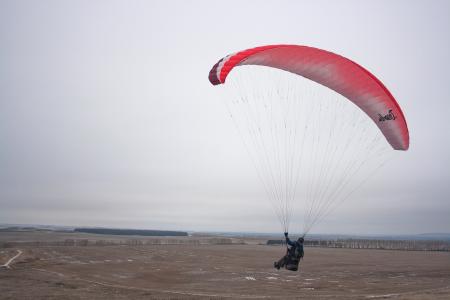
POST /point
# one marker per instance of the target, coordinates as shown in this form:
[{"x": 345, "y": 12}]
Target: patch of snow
[
  {"x": 250, "y": 278},
  {"x": 398, "y": 275},
  {"x": 381, "y": 296},
  {"x": 196, "y": 272}
]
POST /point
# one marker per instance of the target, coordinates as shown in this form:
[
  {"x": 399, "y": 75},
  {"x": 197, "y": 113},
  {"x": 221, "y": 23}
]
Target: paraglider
[
  {"x": 316, "y": 124},
  {"x": 294, "y": 253}
]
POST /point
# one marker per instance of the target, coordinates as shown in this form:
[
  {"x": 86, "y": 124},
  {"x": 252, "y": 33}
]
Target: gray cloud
[{"x": 107, "y": 116}]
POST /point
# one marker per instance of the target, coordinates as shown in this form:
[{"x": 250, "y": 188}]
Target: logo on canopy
[{"x": 389, "y": 116}]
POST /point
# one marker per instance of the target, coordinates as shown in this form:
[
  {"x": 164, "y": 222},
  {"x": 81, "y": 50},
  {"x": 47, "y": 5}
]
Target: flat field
[{"x": 203, "y": 271}]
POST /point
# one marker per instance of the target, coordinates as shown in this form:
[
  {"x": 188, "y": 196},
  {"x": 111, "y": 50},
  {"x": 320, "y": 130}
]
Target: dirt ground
[{"x": 220, "y": 272}]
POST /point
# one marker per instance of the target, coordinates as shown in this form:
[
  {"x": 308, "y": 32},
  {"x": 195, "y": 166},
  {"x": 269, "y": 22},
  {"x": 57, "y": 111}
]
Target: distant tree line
[
  {"x": 131, "y": 232},
  {"x": 21, "y": 228},
  {"x": 276, "y": 242},
  {"x": 127, "y": 242},
  {"x": 413, "y": 245}
]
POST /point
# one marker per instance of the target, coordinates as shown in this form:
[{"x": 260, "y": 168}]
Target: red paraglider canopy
[{"x": 333, "y": 71}]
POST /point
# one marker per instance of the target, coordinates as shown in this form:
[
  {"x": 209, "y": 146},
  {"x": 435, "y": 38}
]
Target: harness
[{"x": 294, "y": 255}]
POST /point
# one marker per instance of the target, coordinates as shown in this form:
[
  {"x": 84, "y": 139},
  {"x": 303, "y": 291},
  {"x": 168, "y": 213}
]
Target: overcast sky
[{"x": 107, "y": 117}]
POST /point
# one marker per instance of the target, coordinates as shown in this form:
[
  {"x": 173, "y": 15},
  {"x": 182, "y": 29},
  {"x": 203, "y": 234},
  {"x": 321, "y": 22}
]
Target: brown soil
[{"x": 221, "y": 271}]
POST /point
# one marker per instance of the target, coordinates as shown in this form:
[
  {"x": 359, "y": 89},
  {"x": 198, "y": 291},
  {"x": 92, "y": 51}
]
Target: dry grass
[{"x": 193, "y": 271}]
